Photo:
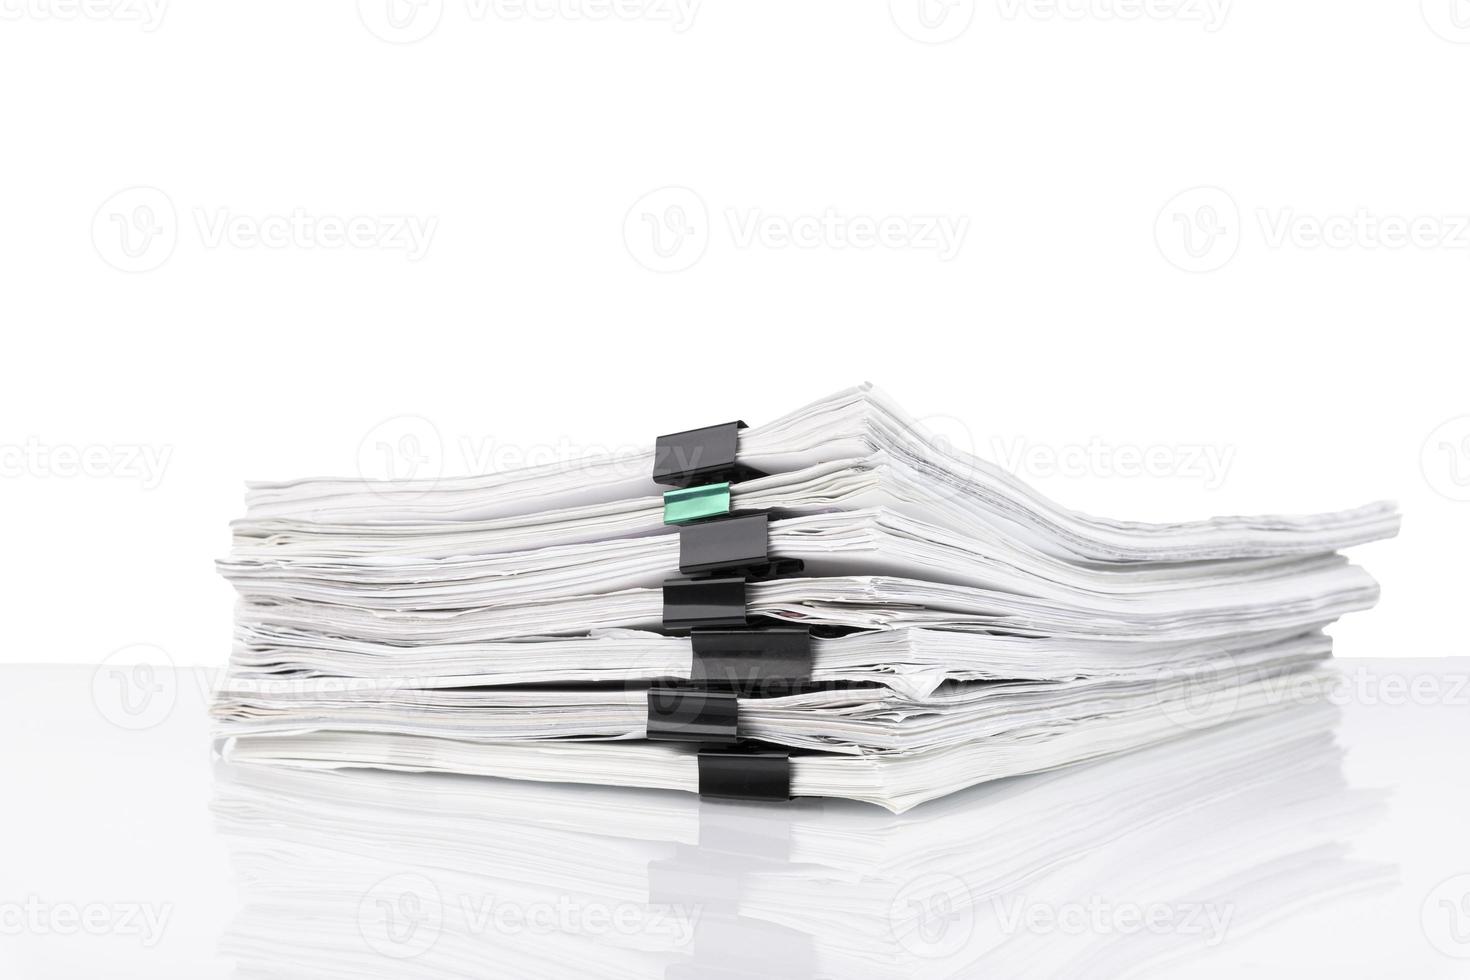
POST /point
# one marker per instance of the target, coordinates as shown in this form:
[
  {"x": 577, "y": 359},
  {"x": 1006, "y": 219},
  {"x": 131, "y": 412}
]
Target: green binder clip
[{"x": 693, "y": 503}]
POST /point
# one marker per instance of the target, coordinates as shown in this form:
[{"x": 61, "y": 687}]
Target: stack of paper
[{"x": 956, "y": 626}]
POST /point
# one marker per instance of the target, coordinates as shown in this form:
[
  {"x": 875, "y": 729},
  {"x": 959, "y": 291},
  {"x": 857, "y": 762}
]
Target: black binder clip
[
  {"x": 734, "y": 774},
  {"x": 704, "y": 602},
  {"x": 695, "y": 456},
  {"x": 752, "y": 662},
  {"x": 688, "y": 714},
  {"x": 728, "y": 544}
]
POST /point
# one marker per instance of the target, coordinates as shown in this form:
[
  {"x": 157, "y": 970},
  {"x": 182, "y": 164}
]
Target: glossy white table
[{"x": 1337, "y": 845}]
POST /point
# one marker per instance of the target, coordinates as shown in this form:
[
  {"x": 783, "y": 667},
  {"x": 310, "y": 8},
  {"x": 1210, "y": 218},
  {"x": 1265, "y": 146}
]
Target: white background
[{"x": 534, "y": 318}]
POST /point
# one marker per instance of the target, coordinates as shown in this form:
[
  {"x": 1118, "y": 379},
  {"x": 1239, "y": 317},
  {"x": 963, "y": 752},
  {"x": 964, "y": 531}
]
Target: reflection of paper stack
[
  {"x": 942, "y": 624},
  {"x": 375, "y": 874}
]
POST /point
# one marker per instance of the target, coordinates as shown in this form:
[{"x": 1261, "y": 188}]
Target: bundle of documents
[{"x": 833, "y": 604}]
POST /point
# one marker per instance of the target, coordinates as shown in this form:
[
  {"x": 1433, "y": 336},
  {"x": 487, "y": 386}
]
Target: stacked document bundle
[{"x": 833, "y": 604}]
